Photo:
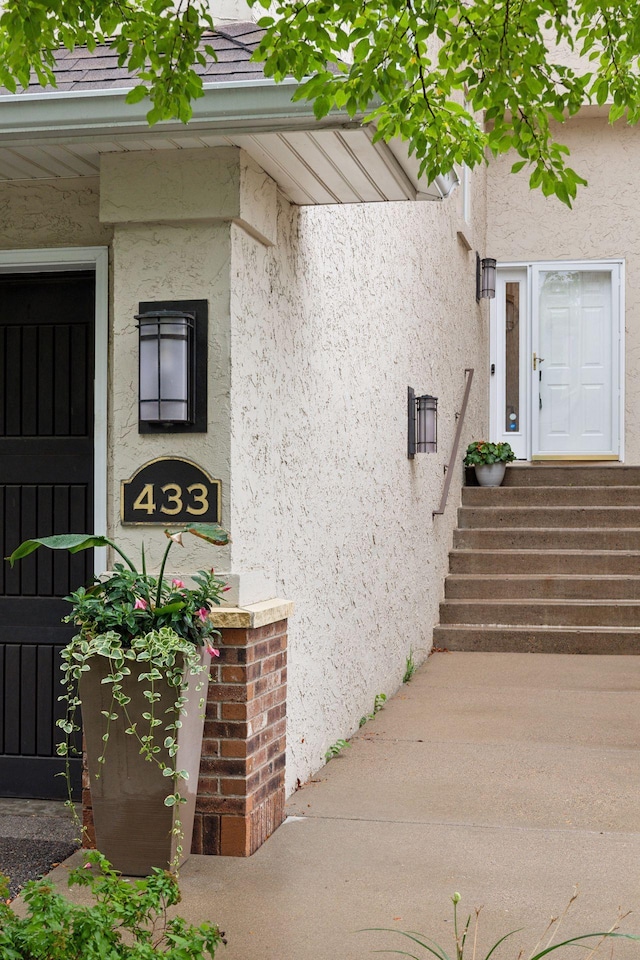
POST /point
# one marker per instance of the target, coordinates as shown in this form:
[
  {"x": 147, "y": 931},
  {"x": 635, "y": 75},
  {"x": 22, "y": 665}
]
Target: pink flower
[
  {"x": 140, "y": 604},
  {"x": 224, "y": 589},
  {"x": 212, "y": 650},
  {"x": 177, "y": 584},
  {"x": 203, "y": 613}
]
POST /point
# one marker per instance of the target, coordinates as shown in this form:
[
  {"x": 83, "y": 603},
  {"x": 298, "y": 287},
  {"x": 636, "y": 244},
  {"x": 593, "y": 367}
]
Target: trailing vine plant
[{"x": 133, "y": 617}]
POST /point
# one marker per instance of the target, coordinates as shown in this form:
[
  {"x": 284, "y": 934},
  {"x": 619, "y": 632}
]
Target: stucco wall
[
  {"x": 172, "y": 214},
  {"x": 604, "y": 223},
  {"x": 51, "y": 213},
  {"x": 165, "y": 262},
  {"x": 318, "y": 323},
  {"x": 328, "y": 328}
]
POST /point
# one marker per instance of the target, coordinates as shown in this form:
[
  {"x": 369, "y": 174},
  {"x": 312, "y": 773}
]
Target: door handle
[{"x": 537, "y": 360}]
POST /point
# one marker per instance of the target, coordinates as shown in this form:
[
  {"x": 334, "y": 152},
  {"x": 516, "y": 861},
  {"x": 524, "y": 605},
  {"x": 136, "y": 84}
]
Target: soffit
[
  {"x": 322, "y": 166},
  {"x": 62, "y": 133}
]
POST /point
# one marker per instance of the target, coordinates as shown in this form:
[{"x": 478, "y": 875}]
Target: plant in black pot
[
  {"x": 139, "y": 667},
  {"x": 490, "y": 461}
]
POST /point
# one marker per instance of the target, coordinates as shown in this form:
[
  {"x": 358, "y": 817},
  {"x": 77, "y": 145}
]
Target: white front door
[{"x": 556, "y": 359}]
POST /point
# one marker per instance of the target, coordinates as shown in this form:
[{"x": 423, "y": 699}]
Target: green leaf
[
  {"x": 211, "y": 532},
  {"x": 73, "y": 542},
  {"x": 137, "y": 94},
  {"x": 170, "y": 608}
]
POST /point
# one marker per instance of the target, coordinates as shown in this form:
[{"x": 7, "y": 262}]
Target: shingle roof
[{"x": 233, "y": 42}]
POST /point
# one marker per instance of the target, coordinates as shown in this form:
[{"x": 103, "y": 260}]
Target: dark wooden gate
[{"x": 46, "y": 487}]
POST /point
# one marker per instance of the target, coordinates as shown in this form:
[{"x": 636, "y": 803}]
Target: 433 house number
[
  {"x": 172, "y": 499},
  {"x": 170, "y": 489}
]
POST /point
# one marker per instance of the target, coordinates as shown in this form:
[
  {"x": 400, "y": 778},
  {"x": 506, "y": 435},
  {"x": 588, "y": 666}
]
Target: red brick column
[{"x": 241, "y": 788}]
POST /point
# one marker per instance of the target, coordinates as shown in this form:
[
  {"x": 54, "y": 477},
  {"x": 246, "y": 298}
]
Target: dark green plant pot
[{"x": 134, "y": 828}]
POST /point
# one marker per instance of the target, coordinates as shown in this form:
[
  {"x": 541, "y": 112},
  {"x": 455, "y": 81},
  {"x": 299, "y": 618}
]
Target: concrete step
[
  {"x": 548, "y": 516},
  {"x": 583, "y": 613},
  {"x": 538, "y": 639},
  {"x": 571, "y": 475},
  {"x": 525, "y": 586},
  {"x": 553, "y": 496},
  {"x": 548, "y": 562},
  {"x": 547, "y": 538},
  {"x": 618, "y": 562}
]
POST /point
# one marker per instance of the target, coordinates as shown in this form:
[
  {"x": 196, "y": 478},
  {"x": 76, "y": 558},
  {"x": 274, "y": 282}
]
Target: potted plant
[
  {"x": 139, "y": 668},
  {"x": 490, "y": 461}
]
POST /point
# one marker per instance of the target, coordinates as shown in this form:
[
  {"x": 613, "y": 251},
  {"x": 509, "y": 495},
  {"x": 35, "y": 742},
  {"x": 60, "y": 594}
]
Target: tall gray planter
[{"x": 134, "y": 828}]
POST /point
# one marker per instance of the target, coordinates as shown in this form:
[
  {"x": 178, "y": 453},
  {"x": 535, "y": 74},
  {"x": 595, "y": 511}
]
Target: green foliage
[
  {"x": 336, "y": 749},
  {"x": 459, "y": 81},
  {"x": 484, "y": 452},
  {"x": 432, "y": 949},
  {"x": 127, "y": 921},
  {"x": 158, "y": 40},
  {"x": 409, "y": 668},
  {"x": 133, "y": 617},
  {"x": 378, "y": 704},
  {"x": 130, "y": 604}
]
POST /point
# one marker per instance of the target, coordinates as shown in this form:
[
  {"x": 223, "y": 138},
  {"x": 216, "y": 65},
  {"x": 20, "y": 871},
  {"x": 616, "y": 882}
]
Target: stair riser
[
  {"x": 540, "y": 614},
  {"x": 546, "y": 523},
  {"x": 570, "y": 476},
  {"x": 544, "y": 562},
  {"x": 498, "y": 517},
  {"x": 498, "y": 640},
  {"x": 543, "y": 588},
  {"x": 543, "y": 538},
  {"x": 551, "y": 496}
]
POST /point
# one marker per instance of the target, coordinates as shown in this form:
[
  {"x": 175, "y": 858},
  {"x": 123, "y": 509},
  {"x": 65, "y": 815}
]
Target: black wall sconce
[
  {"x": 423, "y": 424},
  {"x": 173, "y": 345},
  {"x": 485, "y": 278}
]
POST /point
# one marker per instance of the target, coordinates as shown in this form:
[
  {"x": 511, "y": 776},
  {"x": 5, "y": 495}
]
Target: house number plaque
[{"x": 169, "y": 491}]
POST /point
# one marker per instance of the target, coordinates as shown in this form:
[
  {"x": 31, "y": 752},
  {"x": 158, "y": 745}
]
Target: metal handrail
[{"x": 456, "y": 442}]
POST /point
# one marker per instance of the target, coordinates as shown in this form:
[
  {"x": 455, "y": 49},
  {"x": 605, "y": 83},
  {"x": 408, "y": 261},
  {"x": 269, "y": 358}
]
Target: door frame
[
  {"x": 57, "y": 260},
  {"x": 495, "y": 340}
]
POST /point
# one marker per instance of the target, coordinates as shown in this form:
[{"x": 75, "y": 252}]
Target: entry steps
[{"x": 547, "y": 563}]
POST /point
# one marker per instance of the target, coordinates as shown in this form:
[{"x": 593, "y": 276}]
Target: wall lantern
[
  {"x": 423, "y": 424},
  {"x": 485, "y": 278},
  {"x": 172, "y": 366}
]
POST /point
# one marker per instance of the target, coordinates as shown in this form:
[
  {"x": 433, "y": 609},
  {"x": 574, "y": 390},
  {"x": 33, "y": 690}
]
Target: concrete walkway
[{"x": 507, "y": 777}]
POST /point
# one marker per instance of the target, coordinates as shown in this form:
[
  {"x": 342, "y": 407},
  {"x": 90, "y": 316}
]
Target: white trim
[
  {"x": 82, "y": 258},
  {"x": 616, "y": 266},
  {"x": 519, "y": 439}
]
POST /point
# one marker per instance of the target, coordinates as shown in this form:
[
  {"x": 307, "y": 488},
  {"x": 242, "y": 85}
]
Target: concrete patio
[{"x": 507, "y": 777}]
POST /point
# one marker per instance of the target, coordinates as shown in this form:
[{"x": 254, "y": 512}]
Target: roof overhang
[{"x": 48, "y": 134}]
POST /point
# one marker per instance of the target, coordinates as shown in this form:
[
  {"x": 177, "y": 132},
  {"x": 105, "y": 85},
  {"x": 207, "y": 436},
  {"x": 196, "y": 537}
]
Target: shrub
[{"x": 127, "y": 921}]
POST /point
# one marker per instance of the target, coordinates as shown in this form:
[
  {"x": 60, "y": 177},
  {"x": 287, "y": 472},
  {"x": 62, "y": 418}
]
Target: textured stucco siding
[
  {"x": 51, "y": 213},
  {"x": 328, "y": 328},
  {"x": 604, "y": 224},
  {"x": 319, "y": 320},
  {"x": 169, "y": 262}
]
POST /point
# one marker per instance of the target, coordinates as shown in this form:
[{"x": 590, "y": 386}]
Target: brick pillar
[{"x": 241, "y": 788}]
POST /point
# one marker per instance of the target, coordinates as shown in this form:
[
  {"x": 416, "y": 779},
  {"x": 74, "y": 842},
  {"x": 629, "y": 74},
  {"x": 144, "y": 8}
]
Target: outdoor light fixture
[
  {"x": 423, "y": 424},
  {"x": 485, "y": 278},
  {"x": 173, "y": 348},
  {"x": 166, "y": 367}
]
